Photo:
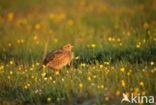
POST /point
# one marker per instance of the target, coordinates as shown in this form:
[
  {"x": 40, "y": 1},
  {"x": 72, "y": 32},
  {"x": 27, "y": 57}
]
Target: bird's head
[{"x": 68, "y": 47}]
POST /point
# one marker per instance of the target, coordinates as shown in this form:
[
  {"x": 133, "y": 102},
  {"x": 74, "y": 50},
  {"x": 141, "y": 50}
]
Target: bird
[{"x": 57, "y": 59}]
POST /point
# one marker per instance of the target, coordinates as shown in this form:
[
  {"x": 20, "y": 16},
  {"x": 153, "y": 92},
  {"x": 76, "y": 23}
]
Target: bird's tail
[
  {"x": 45, "y": 49},
  {"x": 44, "y": 54}
]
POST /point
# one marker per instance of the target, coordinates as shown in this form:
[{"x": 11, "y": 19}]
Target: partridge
[{"x": 58, "y": 59}]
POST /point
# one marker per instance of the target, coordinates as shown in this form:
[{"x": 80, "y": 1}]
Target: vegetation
[{"x": 114, "y": 45}]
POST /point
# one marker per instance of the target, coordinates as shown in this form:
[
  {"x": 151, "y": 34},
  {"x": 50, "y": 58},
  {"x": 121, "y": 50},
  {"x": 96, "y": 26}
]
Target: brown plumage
[{"x": 59, "y": 58}]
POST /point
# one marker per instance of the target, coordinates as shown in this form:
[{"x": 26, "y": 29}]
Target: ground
[{"x": 114, "y": 47}]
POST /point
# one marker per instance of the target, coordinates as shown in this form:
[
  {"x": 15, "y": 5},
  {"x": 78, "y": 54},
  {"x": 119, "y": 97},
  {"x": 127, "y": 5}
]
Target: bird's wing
[{"x": 52, "y": 56}]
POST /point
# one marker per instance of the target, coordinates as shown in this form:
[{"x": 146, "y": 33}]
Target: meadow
[{"x": 114, "y": 46}]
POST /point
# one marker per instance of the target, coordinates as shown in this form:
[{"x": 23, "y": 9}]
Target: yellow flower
[
  {"x": 141, "y": 83},
  {"x": 43, "y": 66},
  {"x": 120, "y": 44},
  {"x": 70, "y": 22},
  {"x": 45, "y": 78},
  {"x": 94, "y": 76},
  {"x": 80, "y": 85},
  {"x": 123, "y": 83},
  {"x": 18, "y": 41},
  {"x": 98, "y": 86},
  {"x": 138, "y": 45},
  {"x": 35, "y": 37},
  {"x": 37, "y": 26},
  {"x": 122, "y": 69},
  {"x": 31, "y": 68},
  {"x": 48, "y": 99},
  {"x": 118, "y": 39},
  {"x": 136, "y": 90},
  {"x": 25, "y": 87},
  {"x": 50, "y": 78},
  {"x": 89, "y": 78},
  {"x": 28, "y": 85},
  {"x": 55, "y": 40},
  {"x": 143, "y": 93},
  {"x": 60, "y": 16},
  {"x": 54, "y": 81},
  {"x": 109, "y": 39},
  {"x": 1, "y": 67},
  {"x": 43, "y": 74},
  {"x": 10, "y": 16},
  {"x": 118, "y": 93},
  {"x": 62, "y": 79},
  {"x": 33, "y": 65},
  {"x": 9, "y": 44},
  {"x": 77, "y": 57},
  {"x": 82, "y": 64},
  {"x": 11, "y": 72},
  {"x": 37, "y": 64},
  {"x": 144, "y": 41},
  {"x": 146, "y": 25},
  {"x": 129, "y": 73},
  {"x": 113, "y": 39},
  {"x": 93, "y": 45},
  {"x": 101, "y": 66},
  {"x": 32, "y": 77},
  {"x": 8, "y": 77},
  {"x": 51, "y": 15},
  {"x": 106, "y": 63},
  {"x": 22, "y": 41},
  {"x": 106, "y": 98},
  {"x": 57, "y": 17},
  {"x": 102, "y": 86},
  {"x": 11, "y": 62},
  {"x": 152, "y": 63},
  {"x": 57, "y": 73}
]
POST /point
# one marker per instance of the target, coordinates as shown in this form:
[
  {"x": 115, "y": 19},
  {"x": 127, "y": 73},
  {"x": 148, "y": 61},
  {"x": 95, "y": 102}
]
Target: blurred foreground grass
[{"x": 115, "y": 45}]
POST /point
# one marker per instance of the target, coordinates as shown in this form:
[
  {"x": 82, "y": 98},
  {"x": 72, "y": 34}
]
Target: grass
[{"x": 115, "y": 45}]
